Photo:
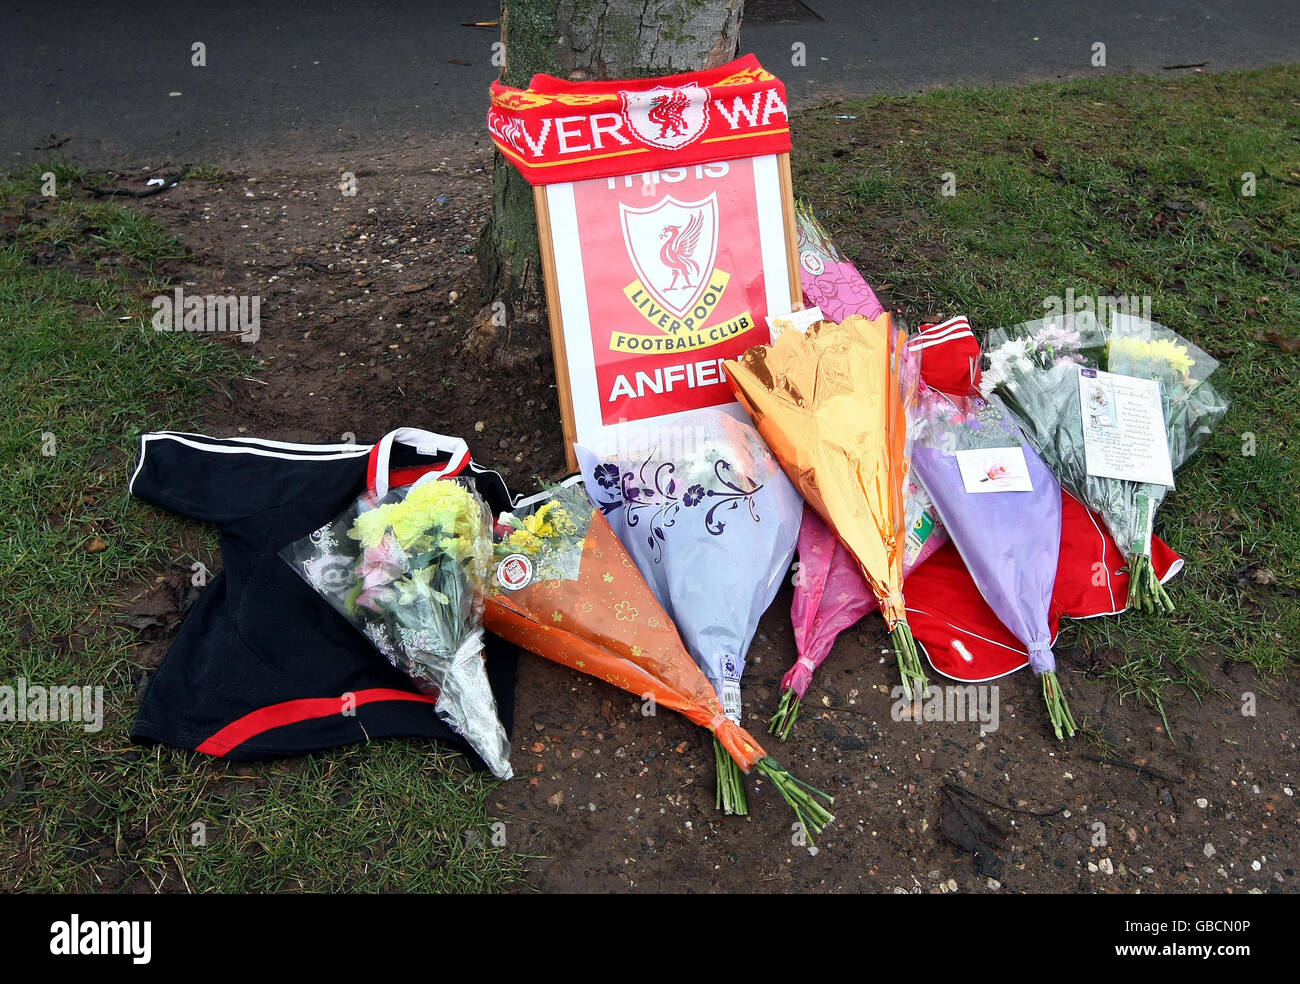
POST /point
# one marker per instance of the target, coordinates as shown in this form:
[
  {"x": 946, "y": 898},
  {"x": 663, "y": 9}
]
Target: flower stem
[
  {"x": 1057, "y": 709},
  {"x": 801, "y": 797},
  {"x": 1145, "y": 592},
  {"x": 915, "y": 682},
  {"x": 731, "y": 782},
  {"x": 787, "y": 712}
]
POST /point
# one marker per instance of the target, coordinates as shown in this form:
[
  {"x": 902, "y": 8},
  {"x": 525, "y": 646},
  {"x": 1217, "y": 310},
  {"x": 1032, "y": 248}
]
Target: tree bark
[{"x": 579, "y": 40}]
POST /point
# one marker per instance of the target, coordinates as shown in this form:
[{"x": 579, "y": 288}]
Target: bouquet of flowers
[
  {"x": 1008, "y": 536},
  {"x": 1035, "y": 368},
  {"x": 830, "y": 593},
  {"x": 829, "y": 279},
  {"x": 703, "y": 503},
  {"x": 832, "y": 405},
  {"x": 410, "y": 571},
  {"x": 565, "y": 588}
]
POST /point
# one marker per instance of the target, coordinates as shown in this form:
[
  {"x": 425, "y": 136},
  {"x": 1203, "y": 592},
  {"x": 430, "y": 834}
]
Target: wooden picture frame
[{"x": 573, "y": 291}]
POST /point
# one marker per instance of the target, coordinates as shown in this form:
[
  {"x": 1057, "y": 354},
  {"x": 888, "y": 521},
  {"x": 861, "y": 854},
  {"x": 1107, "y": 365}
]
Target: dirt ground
[{"x": 366, "y": 305}]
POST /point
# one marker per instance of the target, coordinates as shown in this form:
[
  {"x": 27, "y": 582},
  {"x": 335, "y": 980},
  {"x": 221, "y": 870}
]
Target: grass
[
  {"x": 1117, "y": 186},
  {"x": 1124, "y": 185},
  {"x": 84, "y": 376}
]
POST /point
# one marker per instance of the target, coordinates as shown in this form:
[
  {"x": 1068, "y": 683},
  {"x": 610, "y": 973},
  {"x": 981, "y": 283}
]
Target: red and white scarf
[{"x": 556, "y": 130}]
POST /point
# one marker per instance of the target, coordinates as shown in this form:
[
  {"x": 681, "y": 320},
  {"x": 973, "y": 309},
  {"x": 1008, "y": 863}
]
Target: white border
[{"x": 357, "y": 450}]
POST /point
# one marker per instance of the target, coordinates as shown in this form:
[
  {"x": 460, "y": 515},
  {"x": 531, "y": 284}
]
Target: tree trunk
[{"x": 577, "y": 39}]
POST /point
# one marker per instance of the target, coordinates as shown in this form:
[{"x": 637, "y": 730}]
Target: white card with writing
[
  {"x": 799, "y": 321},
  {"x": 994, "y": 470},
  {"x": 1124, "y": 428}
]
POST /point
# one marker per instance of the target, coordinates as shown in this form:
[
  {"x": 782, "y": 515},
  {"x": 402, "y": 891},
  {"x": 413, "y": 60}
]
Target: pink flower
[
  {"x": 997, "y": 472},
  {"x": 372, "y": 596},
  {"x": 378, "y": 566}
]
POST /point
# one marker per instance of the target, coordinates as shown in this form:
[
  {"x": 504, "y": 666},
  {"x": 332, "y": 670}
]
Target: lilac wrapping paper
[
  {"x": 1009, "y": 541},
  {"x": 712, "y": 528}
]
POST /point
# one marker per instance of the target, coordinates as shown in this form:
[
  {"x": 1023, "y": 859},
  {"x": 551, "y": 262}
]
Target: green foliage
[{"x": 84, "y": 375}]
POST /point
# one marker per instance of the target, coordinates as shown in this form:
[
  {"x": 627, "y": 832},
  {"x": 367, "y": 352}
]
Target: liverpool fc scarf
[{"x": 556, "y": 131}]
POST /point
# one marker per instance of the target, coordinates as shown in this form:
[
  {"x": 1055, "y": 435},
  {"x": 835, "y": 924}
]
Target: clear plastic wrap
[
  {"x": 410, "y": 572},
  {"x": 1034, "y": 367}
]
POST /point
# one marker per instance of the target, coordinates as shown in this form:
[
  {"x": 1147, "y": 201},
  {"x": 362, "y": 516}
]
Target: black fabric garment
[{"x": 262, "y": 663}]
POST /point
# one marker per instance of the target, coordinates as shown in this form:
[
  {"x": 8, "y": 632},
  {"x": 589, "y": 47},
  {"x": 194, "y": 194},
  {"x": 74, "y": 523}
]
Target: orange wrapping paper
[
  {"x": 830, "y": 405},
  {"x": 607, "y": 623}
]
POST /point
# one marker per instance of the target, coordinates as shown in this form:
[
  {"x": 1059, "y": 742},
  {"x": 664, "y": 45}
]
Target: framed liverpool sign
[
  {"x": 654, "y": 276},
  {"x": 653, "y": 279}
]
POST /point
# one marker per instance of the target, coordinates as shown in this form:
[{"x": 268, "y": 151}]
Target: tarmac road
[{"x": 107, "y": 84}]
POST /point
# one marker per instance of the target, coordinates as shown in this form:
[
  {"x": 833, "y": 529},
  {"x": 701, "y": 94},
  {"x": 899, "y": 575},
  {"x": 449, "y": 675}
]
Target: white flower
[{"x": 418, "y": 640}]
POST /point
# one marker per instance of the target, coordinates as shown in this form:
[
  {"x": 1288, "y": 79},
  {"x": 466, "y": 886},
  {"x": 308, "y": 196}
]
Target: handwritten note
[
  {"x": 799, "y": 321},
  {"x": 1124, "y": 428}
]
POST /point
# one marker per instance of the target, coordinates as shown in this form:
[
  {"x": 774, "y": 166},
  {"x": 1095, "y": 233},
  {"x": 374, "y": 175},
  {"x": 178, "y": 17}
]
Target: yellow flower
[
  {"x": 419, "y": 586},
  {"x": 557, "y": 617},
  {"x": 436, "y": 516},
  {"x": 624, "y": 612},
  {"x": 1153, "y": 350},
  {"x": 369, "y": 527},
  {"x": 447, "y": 506},
  {"x": 608, "y": 577},
  {"x": 538, "y": 526},
  {"x": 524, "y": 541}
]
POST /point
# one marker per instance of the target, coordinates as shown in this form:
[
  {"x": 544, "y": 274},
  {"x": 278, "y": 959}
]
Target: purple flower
[
  {"x": 607, "y": 476},
  {"x": 693, "y": 496}
]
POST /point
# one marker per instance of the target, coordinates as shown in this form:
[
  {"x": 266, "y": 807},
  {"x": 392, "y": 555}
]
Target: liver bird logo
[
  {"x": 666, "y": 112},
  {"x": 678, "y": 252},
  {"x": 667, "y": 118},
  {"x": 673, "y": 246}
]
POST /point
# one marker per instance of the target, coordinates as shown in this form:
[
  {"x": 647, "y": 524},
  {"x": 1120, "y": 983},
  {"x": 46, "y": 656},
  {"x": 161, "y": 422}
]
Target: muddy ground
[{"x": 367, "y": 305}]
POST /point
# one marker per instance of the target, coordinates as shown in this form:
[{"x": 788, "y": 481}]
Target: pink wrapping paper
[
  {"x": 830, "y": 281},
  {"x": 830, "y": 595}
]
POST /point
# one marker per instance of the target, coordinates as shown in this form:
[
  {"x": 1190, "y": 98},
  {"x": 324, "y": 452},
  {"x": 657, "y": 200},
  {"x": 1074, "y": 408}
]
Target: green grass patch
[
  {"x": 1187, "y": 192},
  {"x": 205, "y": 172},
  {"x": 84, "y": 375}
]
